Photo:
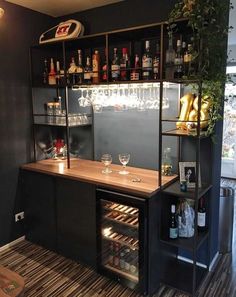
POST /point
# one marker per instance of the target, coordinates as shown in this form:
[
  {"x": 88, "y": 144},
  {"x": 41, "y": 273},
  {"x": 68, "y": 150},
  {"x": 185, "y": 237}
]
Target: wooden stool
[{"x": 11, "y": 283}]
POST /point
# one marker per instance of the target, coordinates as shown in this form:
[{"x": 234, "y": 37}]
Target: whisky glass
[
  {"x": 124, "y": 160},
  {"x": 106, "y": 160}
]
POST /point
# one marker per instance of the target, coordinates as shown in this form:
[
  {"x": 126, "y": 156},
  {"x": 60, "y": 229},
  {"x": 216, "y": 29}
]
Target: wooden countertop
[{"x": 91, "y": 172}]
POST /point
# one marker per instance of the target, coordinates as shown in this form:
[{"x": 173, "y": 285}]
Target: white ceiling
[{"x": 58, "y": 8}]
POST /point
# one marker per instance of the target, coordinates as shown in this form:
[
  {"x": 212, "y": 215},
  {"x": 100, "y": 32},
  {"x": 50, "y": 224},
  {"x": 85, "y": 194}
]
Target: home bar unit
[{"x": 118, "y": 223}]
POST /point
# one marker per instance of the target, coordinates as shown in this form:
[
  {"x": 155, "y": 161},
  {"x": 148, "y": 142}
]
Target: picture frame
[{"x": 187, "y": 172}]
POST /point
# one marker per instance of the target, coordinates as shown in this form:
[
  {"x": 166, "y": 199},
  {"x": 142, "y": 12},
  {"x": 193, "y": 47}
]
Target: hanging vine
[{"x": 208, "y": 20}]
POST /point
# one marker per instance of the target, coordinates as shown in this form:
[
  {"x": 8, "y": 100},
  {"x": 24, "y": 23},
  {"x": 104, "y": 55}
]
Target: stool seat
[{"x": 11, "y": 283}]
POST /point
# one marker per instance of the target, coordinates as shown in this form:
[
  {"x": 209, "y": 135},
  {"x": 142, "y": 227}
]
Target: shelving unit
[{"x": 175, "y": 272}]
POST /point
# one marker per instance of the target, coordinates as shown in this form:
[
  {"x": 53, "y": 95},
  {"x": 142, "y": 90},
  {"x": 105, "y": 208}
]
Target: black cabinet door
[
  {"x": 39, "y": 207},
  {"x": 76, "y": 217}
]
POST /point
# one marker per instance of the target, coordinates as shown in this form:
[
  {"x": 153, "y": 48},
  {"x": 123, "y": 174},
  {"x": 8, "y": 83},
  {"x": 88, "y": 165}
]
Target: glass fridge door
[{"x": 120, "y": 239}]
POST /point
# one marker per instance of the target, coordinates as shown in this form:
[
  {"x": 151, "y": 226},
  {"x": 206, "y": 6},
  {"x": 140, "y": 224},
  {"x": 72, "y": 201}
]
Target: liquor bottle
[
  {"x": 170, "y": 59},
  {"x": 71, "y": 72},
  {"x": 58, "y": 73},
  {"x": 173, "y": 226},
  {"x": 124, "y": 64},
  {"x": 88, "y": 71},
  {"x": 115, "y": 66},
  {"x": 96, "y": 67},
  {"x": 135, "y": 73},
  {"x": 156, "y": 63},
  {"x": 45, "y": 72},
  {"x": 104, "y": 69},
  {"x": 80, "y": 68},
  {"x": 166, "y": 167},
  {"x": 147, "y": 62},
  {"x": 52, "y": 74},
  {"x": 178, "y": 61},
  {"x": 188, "y": 61},
  {"x": 183, "y": 48},
  {"x": 201, "y": 215}
]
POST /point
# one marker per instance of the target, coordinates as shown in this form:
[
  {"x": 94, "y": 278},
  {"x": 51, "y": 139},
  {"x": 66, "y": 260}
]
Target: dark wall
[
  {"x": 123, "y": 15},
  {"x": 19, "y": 28}
]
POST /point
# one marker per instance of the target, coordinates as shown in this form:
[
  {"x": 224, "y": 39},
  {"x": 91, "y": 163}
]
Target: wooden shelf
[
  {"x": 133, "y": 247},
  {"x": 174, "y": 190},
  {"x": 186, "y": 243},
  {"x": 135, "y": 215},
  {"x": 122, "y": 273},
  {"x": 179, "y": 275},
  {"x": 121, "y": 222}
]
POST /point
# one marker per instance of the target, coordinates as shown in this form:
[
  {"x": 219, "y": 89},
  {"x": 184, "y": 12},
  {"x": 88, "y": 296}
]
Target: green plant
[{"x": 208, "y": 20}]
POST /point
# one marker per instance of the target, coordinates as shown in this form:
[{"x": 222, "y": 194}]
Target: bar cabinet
[{"x": 133, "y": 245}]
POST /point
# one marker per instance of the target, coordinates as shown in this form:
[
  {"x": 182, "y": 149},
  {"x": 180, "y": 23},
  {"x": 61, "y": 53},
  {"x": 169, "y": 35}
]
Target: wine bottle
[
  {"x": 52, "y": 74},
  {"x": 173, "y": 226},
  {"x": 201, "y": 215},
  {"x": 45, "y": 72},
  {"x": 188, "y": 61},
  {"x": 58, "y": 73},
  {"x": 71, "y": 72},
  {"x": 178, "y": 61},
  {"x": 124, "y": 64},
  {"x": 170, "y": 59},
  {"x": 156, "y": 63},
  {"x": 96, "y": 67},
  {"x": 115, "y": 66},
  {"x": 104, "y": 69},
  {"x": 88, "y": 71},
  {"x": 135, "y": 73},
  {"x": 80, "y": 69},
  {"x": 147, "y": 62}
]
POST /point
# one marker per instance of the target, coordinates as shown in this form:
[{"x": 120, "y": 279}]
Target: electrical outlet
[{"x": 19, "y": 216}]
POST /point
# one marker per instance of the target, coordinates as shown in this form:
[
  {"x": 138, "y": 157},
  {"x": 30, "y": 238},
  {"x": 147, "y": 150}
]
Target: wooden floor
[{"x": 50, "y": 275}]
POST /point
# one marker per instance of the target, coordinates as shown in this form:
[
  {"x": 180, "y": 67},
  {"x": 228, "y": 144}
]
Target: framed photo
[{"x": 187, "y": 171}]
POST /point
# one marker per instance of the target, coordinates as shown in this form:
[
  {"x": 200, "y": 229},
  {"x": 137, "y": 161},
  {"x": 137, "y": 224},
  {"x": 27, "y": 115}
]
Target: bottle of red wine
[
  {"x": 173, "y": 226},
  {"x": 201, "y": 215}
]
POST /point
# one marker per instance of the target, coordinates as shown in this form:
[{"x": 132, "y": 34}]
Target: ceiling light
[{"x": 1, "y": 12}]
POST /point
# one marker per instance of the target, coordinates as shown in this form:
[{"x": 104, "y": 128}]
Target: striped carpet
[{"x": 50, "y": 275}]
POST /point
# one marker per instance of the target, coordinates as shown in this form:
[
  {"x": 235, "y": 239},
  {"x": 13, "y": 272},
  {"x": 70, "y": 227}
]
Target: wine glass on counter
[
  {"x": 106, "y": 160},
  {"x": 124, "y": 160}
]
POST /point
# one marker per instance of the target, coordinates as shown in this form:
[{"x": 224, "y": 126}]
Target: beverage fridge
[{"x": 122, "y": 252}]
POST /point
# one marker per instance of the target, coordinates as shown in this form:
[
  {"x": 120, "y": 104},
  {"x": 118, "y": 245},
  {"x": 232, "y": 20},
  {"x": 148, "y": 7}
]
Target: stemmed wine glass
[
  {"x": 124, "y": 160},
  {"x": 106, "y": 160}
]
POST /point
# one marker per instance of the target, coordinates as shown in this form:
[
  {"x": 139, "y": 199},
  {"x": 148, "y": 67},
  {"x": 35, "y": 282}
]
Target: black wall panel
[
  {"x": 19, "y": 28},
  {"x": 124, "y": 14}
]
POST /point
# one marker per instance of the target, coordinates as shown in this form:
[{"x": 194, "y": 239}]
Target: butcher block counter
[
  {"x": 139, "y": 181},
  {"x": 67, "y": 211}
]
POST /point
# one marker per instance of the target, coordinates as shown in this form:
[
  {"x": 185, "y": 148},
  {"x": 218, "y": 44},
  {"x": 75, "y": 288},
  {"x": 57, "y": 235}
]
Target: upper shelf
[{"x": 174, "y": 82}]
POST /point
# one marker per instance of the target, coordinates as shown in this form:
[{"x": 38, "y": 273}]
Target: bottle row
[
  {"x": 122, "y": 218},
  {"x": 182, "y": 219},
  {"x": 179, "y": 63},
  {"x": 122, "y": 208},
  {"x": 94, "y": 72},
  {"x": 123, "y": 258},
  {"x": 109, "y": 234}
]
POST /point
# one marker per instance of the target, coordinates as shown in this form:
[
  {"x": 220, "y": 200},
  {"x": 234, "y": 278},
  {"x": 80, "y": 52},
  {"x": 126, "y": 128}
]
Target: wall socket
[{"x": 19, "y": 216}]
